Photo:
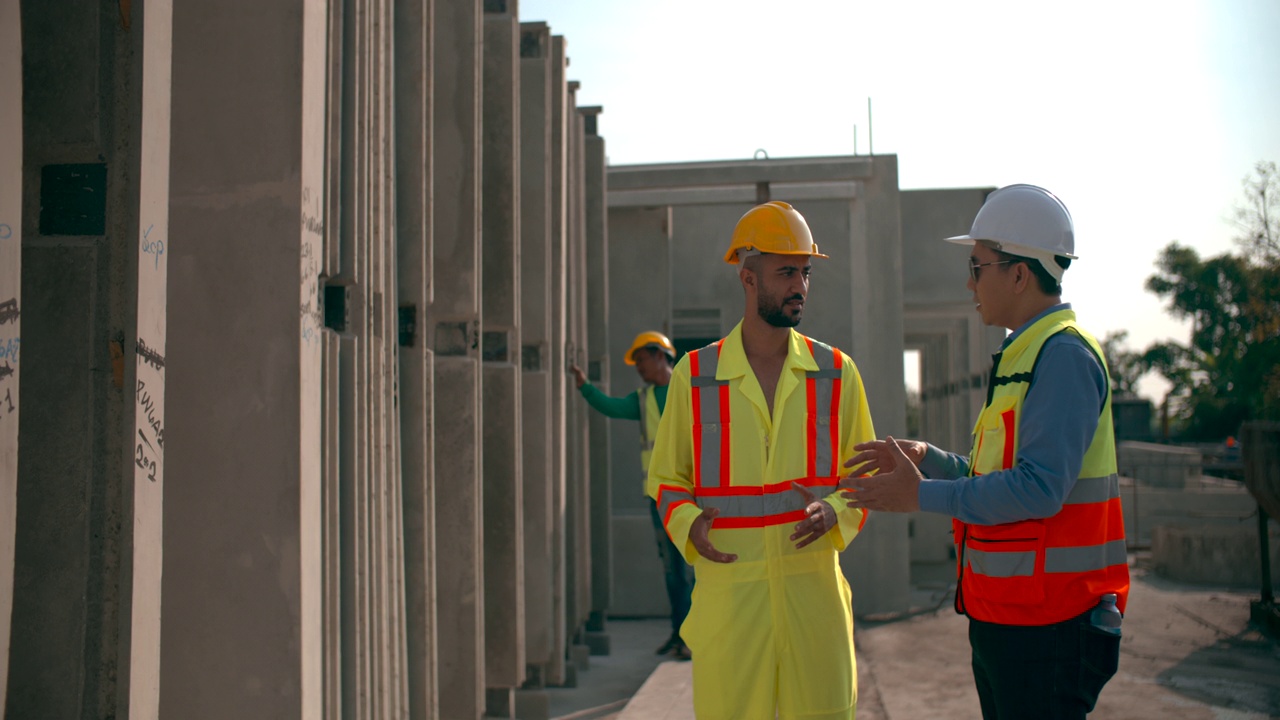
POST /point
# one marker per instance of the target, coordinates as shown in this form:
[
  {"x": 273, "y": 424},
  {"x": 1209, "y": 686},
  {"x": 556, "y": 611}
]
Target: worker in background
[
  {"x": 653, "y": 355},
  {"x": 744, "y": 474},
  {"x": 1043, "y": 573}
]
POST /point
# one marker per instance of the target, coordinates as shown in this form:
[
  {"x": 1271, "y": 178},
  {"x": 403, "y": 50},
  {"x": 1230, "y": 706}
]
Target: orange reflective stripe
[
  {"x": 724, "y": 433},
  {"x": 811, "y": 432},
  {"x": 1008, "y": 416},
  {"x": 696, "y": 394},
  {"x": 835, "y": 417},
  {"x": 739, "y": 523}
]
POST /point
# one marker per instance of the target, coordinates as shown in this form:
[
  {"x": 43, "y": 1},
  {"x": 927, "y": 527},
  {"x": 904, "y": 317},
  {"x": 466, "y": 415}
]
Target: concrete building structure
[
  {"x": 319, "y": 456},
  {"x": 889, "y": 285}
]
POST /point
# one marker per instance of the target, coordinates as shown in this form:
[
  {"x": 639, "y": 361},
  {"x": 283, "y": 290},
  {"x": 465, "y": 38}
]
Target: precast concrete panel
[
  {"x": 414, "y": 197},
  {"x": 559, "y": 360},
  {"x": 248, "y": 559},
  {"x": 577, "y": 496},
  {"x": 10, "y": 307},
  {"x": 500, "y": 346},
  {"x": 93, "y": 162},
  {"x": 454, "y": 322},
  {"x": 639, "y": 277},
  {"x": 597, "y": 245},
  {"x": 535, "y": 330}
]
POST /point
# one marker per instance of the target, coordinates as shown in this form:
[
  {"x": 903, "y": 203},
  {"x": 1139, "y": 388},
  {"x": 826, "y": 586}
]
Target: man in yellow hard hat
[
  {"x": 1042, "y": 568},
  {"x": 652, "y": 354},
  {"x": 744, "y": 471}
]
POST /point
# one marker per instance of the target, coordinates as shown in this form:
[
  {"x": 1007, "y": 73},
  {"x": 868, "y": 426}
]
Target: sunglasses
[{"x": 975, "y": 267}]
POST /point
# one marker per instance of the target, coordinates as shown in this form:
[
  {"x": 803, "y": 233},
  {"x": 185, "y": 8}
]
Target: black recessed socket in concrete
[
  {"x": 73, "y": 199},
  {"x": 493, "y": 346},
  {"x": 336, "y": 307}
]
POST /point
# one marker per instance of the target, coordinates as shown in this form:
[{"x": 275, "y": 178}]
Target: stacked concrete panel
[
  {"x": 86, "y": 203},
  {"x": 596, "y": 236},
  {"x": 556, "y": 673},
  {"x": 243, "y": 600},
  {"x": 414, "y": 201},
  {"x": 577, "y": 493},
  {"x": 10, "y": 307},
  {"x": 454, "y": 326},
  {"x": 535, "y": 352},
  {"x": 504, "y": 631},
  {"x": 639, "y": 281}
]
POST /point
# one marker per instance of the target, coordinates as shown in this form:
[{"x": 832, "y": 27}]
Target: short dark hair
[{"x": 1048, "y": 283}]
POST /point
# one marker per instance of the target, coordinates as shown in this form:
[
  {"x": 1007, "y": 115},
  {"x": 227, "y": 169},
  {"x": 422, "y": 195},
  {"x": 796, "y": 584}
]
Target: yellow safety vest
[
  {"x": 1046, "y": 570},
  {"x": 649, "y": 417}
]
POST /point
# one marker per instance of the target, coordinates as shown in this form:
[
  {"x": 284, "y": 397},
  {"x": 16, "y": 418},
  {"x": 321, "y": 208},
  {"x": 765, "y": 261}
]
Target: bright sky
[{"x": 1142, "y": 116}]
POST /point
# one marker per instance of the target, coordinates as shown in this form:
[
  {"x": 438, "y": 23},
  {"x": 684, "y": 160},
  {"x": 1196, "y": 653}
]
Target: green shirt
[{"x": 622, "y": 408}]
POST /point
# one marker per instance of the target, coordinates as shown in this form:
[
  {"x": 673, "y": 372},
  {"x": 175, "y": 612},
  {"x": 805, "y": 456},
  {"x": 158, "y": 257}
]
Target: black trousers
[{"x": 1051, "y": 672}]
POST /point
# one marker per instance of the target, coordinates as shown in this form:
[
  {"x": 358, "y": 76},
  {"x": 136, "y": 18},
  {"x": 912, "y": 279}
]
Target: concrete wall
[
  {"x": 90, "y": 463},
  {"x": 852, "y": 207},
  {"x": 243, "y": 530},
  {"x": 10, "y": 307}
]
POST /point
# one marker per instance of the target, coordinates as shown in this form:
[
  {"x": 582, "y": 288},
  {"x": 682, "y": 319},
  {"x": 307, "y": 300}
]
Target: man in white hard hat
[{"x": 1042, "y": 565}]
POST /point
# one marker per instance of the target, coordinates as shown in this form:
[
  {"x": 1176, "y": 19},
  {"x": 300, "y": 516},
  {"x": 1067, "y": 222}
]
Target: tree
[
  {"x": 1230, "y": 370},
  {"x": 1259, "y": 217},
  {"x": 1126, "y": 366}
]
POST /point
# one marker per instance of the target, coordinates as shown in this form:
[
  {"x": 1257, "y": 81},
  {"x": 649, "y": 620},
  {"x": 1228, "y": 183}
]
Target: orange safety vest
[
  {"x": 757, "y": 506},
  {"x": 1046, "y": 570}
]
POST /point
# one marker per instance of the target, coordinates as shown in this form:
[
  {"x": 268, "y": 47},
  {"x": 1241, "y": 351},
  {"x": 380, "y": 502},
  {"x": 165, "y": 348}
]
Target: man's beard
[{"x": 775, "y": 313}]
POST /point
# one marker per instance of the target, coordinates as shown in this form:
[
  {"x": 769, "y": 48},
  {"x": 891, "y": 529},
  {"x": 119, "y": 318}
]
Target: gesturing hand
[
  {"x": 874, "y": 455},
  {"x": 819, "y": 517},
  {"x": 699, "y": 535},
  {"x": 895, "y": 489},
  {"x": 579, "y": 377}
]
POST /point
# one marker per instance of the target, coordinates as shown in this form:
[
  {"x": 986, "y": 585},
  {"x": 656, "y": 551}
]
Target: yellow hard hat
[
  {"x": 774, "y": 227},
  {"x": 650, "y": 339}
]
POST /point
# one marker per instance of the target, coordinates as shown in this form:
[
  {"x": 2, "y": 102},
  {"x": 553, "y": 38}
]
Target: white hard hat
[{"x": 1025, "y": 220}]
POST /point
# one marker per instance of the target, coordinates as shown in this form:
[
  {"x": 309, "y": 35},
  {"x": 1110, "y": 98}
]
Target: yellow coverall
[{"x": 772, "y": 631}]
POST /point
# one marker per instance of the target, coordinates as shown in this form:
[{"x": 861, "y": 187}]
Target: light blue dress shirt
[{"x": 1059, "y": 416}]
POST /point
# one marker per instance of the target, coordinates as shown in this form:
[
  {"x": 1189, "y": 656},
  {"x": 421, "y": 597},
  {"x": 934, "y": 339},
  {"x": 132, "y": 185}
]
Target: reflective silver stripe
[
  {"x": 1084, "y": 559},
  {"x": 823, "y": 374},
  {"x": 670, "y": 497},
  {"x": 1094, "y": 490},
  {"x": 745, "y": 506},
  {"x": 646, "y": 442},
  {"x": 709, "y": 415},
  {"x": 1001, "y": 564},
  {"x": 822, "y": 397}
]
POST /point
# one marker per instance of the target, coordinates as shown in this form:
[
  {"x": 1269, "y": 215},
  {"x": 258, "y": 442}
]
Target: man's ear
[
  {"x": 1022, "y": 277},
  {"x": 748, "y": 278}
]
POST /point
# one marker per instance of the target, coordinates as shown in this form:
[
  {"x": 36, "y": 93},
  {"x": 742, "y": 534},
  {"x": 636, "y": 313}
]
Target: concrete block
[
  {"x": 638, "y": 590},
  {"x": 1163, "y": 466},
  {"x": 500, "y": 703},
  {"x": 598, "y": 642},
  {"x": 1213, "y": 555},
  {"x": 532, "y": 705},
  {"x": 580, "y": 656}
]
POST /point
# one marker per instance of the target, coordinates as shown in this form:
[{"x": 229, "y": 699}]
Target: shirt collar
[{"x": 1014, "y": 335}]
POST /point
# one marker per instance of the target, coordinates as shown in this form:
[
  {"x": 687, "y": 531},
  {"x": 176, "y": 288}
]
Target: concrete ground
[{"x": 1188, "y": 652}]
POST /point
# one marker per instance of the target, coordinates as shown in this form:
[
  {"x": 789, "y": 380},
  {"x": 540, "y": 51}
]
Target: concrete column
[
  {"x": 454, "y": 320},
  {"x": 413, "y": 46},
  {"x": 559, "y": 364},
  {"x": 535, "y": 352},
  {"x": 578, "y": 501},
  {"x": 500, "y": 343},
  {"x": 597, "y": 306},
  {"x": 243, "y": 601},
  {"x": 90, "y": 463},
  {"x": 882, "y": 549},
  {"x": 10, "y": 306}
]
